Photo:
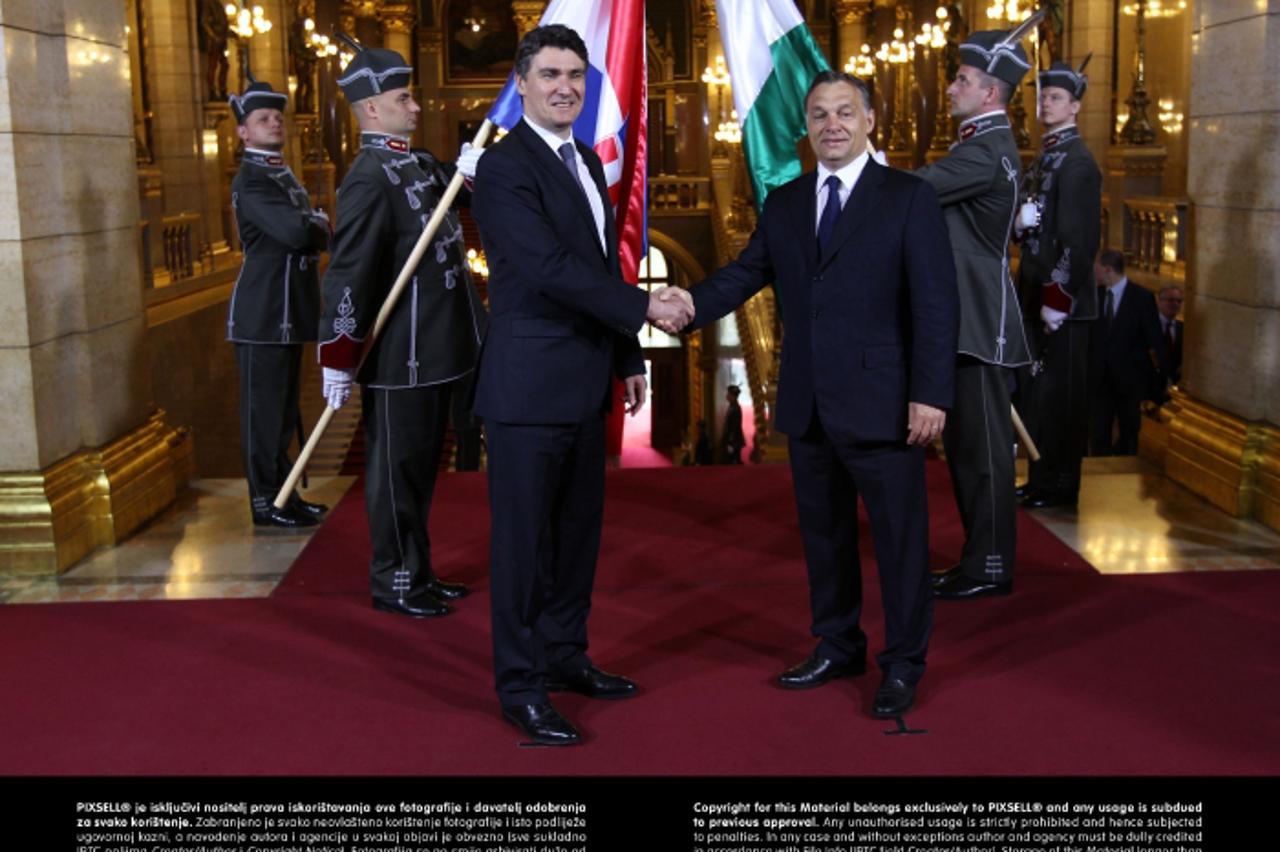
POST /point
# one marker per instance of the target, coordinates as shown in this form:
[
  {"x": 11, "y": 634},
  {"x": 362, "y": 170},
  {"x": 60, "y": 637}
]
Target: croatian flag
[{"x": 614, "y": 115}]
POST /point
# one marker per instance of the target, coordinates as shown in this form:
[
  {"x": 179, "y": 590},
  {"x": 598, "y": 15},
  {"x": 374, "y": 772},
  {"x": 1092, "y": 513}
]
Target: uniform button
[
  {"x": 814, "y": 314},
  {"x": 817, "y": 278}
]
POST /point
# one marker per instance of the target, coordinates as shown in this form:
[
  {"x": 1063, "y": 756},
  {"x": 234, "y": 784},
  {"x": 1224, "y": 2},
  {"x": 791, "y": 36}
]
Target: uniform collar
[
  {"x": 259, "y": 157},
  {"x": 385, "y": 141},
  {"x": 971, "y": 127},
  {"x": 1061, "y": 136}
]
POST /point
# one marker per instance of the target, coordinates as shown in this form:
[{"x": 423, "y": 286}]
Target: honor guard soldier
[
  {"x": 430, "y": 342},
  {"x": 977, "y": 183},
  {"x": 275, "y": 305},
  {"x": 1059, "y": 225}
]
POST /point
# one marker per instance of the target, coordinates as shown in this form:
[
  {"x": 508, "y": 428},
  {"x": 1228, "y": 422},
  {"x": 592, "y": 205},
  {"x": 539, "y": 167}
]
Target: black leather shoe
[
  {"x": 817, "y": 670},
  {"x": 284, "y": 519},
  {"x": 542, "y": 724},
  {"x": 1048, "y": 500},
  {"x": 944, "y": 576},
  {"x": 1023, "y": 490},
  {"x": 593, "y": 683},
  {"x": 894, "y": 697},
  {"x": 962, "y": 587},
  {"x": 438, "y": 588},
  {"x": 423, "y": 607},
  {"x": 302, "y": 507}
]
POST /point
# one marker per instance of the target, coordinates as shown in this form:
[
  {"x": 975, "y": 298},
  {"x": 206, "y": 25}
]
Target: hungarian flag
[
  {"x": 772, "y": 60},
  {"x": 614, "y": 116}
]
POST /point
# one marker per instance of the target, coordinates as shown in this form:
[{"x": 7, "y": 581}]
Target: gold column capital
[
  {"x": 526, "y": 14},
  {"x": 431, "y": 39},
  {"x": 851, "y": 11},
  {"x": 397, "y": 17}
]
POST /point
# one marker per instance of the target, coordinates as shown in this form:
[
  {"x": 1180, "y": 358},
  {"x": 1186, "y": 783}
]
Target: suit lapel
[
  {"x": 805, "y": 216},
  {"x": 553, "y": 165},
  {"x": 862, "y": 201},
  {"x": 596, "y": 171}
]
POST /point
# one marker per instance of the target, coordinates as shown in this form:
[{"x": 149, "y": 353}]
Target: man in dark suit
[
  {"x": 1127, "y": 351},
  {"x": 1169, "y": 302},
  {"x": 863, "y": 265},
  {"x": 563, "y": 323}
]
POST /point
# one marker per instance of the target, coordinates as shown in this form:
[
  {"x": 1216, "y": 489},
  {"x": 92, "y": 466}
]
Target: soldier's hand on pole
[
  {"x": 468, "y": 159},
  {"x": 337, "y": 386},
  {"x": 1052, "y": 319}
]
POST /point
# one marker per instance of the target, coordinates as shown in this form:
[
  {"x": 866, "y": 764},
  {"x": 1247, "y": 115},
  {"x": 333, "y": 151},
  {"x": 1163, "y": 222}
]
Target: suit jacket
[
  {"x": 1129, "y": 353},
  {"x": 1057, "y": 258},
  {"x": 977, "y": 183},
  {"x": 1175, "y": 354},
  {"x": 276, "y": 297},
  {"x": 869, "y": 327},
  {"x": 561, "y": 317},
  {"x": 433, "y": 334}
]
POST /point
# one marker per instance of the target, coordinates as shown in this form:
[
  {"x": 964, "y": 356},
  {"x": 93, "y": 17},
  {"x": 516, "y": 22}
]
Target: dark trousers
[
  {"x": 404, "y": 432},
  {"x": 1110, "y": 404},
  {"x": 546, "y": 503},
  {"x": 979, "y": 442},
  {"x": 828, "y": 479},
  {"x": 268, "y": 415},
  {"x": 1055, "y": 409}
]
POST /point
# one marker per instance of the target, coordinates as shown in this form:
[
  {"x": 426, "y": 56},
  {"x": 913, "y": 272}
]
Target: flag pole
[{"x": 388, "y": 305}]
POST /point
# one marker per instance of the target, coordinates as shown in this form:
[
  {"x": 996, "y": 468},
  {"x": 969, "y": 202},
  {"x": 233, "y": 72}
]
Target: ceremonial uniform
[
  {"x": 1056, "y": 272},
  {"x": 430, "y": 341},
  {"x": 977, "y": 184},
  {"x": 274, "y": 310}
]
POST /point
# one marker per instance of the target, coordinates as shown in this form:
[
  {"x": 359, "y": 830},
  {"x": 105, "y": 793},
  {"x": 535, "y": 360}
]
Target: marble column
[
  {"x": 177, "y": 88},
  {"x": 73, "y": 371},
  {"x": 1225, "y": 444}
]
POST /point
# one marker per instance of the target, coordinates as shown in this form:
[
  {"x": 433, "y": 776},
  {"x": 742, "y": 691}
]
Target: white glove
[
  {"x": 468, "y": 159},
  {"x": 1028, "y": 217},
  {"x": 880, "y": 158},
  {"x": 1052, "y": 319},
  {"x": 337, "y": 386}
]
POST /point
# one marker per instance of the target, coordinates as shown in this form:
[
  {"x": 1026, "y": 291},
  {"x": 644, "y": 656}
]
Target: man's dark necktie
[
  {"x": 830, "y": 213},
  {"x": 1109, "y": 308},
  {"x": 1169, "y": 338},
  {"x": 570, "y": 157}
]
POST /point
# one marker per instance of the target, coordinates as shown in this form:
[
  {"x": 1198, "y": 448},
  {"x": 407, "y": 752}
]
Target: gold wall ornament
[
  {"x": 52, "y": 518},
  {"x": 1216, "y": 455}
]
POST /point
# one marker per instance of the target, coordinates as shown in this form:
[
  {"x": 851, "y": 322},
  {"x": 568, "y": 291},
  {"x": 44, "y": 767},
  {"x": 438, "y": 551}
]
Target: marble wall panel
[
  {"x": 1235, "y": 67},
  {"x": 79, "y": 282},
  {"x": 10, "y": 213},
  {"x": 57, "y": 375},
  {"x": 35, "y": 76},
  {"x": 114, "y": 382},
  {"x": 20, "y": 449},
  {"x": 15, "y": 330},
  {"x": 101, "y": 97},
  {"x": 1238, "y": 256},
  {"x": 95, "y": 21},
  {"x": 1235, "y": 161},
  {"x": 1223, "y": 342},
  {"x": 1268, "y": 362},
  {"x": 1210, "y": 13},
  {"x": 75, "y": 184},
  {"x": 46, "y": 16}
]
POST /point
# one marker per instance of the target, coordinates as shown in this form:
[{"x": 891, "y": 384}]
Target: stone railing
[
  {"x": 1155, "y": 236},
  {"x": 672, "y": 193},
  {"x": 173, "y": 249}
]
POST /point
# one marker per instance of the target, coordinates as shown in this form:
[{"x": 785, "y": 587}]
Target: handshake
[{"x": 670, "y": 309}]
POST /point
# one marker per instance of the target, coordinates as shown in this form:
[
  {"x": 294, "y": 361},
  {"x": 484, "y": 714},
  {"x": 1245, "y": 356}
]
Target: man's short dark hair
[
  {"x": 1112, "y": 259},
  {"x": 831, "y": 76},
  {"x": 1004, "y": 90},
  {"x": 551, "y": 35}
]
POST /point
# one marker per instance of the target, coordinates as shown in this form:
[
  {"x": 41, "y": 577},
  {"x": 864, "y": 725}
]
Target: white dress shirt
[
  {"x": 584, "y": 176},
  {"x": 848, "y": 176}
]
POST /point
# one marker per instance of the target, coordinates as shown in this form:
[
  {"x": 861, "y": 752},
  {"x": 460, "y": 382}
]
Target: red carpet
[{"x": 701, "y": 597}]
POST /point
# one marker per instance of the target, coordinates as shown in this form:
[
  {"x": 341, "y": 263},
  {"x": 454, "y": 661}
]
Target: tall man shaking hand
[
  {"x": 563, "y": 322},
  {"x": 863, "y": 266}
]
